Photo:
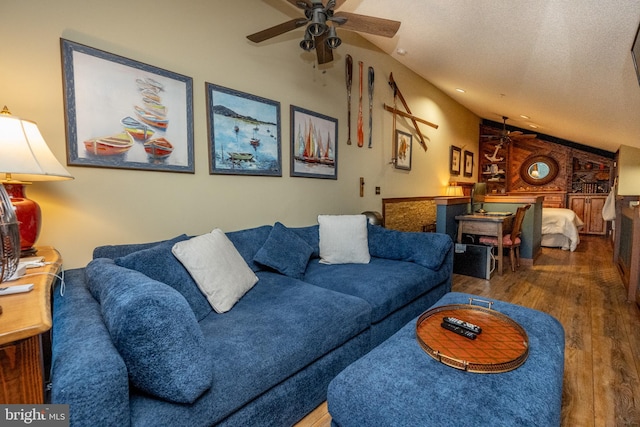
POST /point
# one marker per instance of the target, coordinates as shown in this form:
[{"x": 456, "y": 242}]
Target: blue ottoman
[{"x": 398, "y": 384}]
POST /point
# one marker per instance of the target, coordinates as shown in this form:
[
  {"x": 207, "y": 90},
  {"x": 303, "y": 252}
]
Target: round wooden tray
[{"x": 502, "y": 345}]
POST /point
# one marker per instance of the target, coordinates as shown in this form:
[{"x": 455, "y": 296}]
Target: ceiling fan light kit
[{"x": 321, "y": 23}]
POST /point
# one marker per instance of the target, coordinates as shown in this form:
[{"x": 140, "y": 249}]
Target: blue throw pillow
[
  {"x": 160, "y": 264},
  {"x": 285, "y": 252},
  {"x": 425, "y": 249},
  {"x": 115, "y": 251},
  {"x": 154, "y": 330}
]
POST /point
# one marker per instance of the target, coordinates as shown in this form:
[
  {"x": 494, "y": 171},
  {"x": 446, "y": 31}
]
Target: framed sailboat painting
[
  {"x": 314, "y": 144},
  {"x": 244, "y": 133}
]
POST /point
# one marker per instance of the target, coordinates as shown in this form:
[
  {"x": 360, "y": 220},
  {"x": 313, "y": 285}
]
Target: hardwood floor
[{"x": 583, "y": 290}]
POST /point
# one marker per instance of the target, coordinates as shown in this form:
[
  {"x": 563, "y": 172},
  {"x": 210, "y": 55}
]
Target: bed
[{"x": 560, "y": 228}]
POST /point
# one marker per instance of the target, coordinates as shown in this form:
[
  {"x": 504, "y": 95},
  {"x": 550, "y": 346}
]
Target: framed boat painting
[
  {"x": 121, "y": 113},
  {"x": 244, "y": 133},
  {"x": 314, "y": 144}
]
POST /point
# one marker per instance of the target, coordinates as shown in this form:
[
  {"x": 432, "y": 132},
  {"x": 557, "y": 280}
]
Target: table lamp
[
  {"x": 454, "y": 190},
  {"x": 25, "y": 157}
]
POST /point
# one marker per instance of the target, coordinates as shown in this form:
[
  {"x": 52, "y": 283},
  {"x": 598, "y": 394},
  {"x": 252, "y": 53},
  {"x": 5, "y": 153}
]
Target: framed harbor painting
[
  {"x": 121, "y": 113},
  {"x": 404, "y": 142},
  {"x": 244, "y": 133},
  {"x": 314, "y": 144}
]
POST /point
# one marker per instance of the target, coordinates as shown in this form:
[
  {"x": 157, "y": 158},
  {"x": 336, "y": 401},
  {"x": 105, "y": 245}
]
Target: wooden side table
[
  {"x": 25, "y": 317},
  {"x": 485, "y": 225}
]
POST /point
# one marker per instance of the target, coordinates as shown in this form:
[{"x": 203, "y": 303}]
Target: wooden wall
[{"x": 519, "y": 151}]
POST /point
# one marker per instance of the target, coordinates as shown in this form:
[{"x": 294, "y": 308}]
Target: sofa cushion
[
  {"x": 343, "y": 239},
  {"x": 154, "y": 330},
  {"x": 426, "y": 249},
  {"x": 311, "y": 235},
  {"x": 217, "y": 267},
  {"x": 160, "y": 264},
  {"x": 387, "y": 285},
  {"x": 285, "y": 252},
  {"x": 248, "y": 242},
  {"x": 116, "y": 251}
]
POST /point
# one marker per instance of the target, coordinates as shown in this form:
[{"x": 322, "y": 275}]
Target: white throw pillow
[
  {"x": 217, "y": 267},
  {"x": 343, "y": 239}
]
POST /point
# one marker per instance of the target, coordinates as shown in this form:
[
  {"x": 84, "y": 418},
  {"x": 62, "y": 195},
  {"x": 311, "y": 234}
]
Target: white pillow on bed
[{"x": 343, "y": 239}]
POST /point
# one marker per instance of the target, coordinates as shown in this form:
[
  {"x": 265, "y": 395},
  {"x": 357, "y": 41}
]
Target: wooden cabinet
[
  {"x": 627, "y": 250},
  {"x": 25, "y": 318},
  {"x": 589, "y": 208}
]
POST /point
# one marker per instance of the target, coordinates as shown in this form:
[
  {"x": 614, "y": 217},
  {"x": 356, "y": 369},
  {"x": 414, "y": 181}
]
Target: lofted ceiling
[{"x": 566, "y": 64}]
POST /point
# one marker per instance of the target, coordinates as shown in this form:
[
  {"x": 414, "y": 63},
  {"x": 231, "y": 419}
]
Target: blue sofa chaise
[{"x": 135, "y": 342}]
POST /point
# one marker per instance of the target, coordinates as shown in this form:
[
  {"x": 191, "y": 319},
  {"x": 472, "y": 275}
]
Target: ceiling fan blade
[
  {"x": 263, "y": 35},
  {"x": 339, "y": 3},
  {"x": 299, "y": 3},
  {"x": 325, "y": 55},
  {"x": 527, "y": 136},
  {"x": 369, "y": 24}
]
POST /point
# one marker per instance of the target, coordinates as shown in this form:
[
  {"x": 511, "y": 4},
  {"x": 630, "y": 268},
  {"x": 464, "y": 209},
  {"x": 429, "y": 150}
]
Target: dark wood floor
[{"x": 583, "y": 290}]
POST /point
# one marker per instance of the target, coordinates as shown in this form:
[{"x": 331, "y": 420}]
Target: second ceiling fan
[
  {"x": 321, "y": 21},
  {"x": 506, "y": 137}
]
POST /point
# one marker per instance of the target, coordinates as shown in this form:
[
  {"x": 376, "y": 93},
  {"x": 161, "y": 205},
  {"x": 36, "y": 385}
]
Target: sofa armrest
[
  {"x": 87, "y": 372},
  {"x": 429, "y": 250}
]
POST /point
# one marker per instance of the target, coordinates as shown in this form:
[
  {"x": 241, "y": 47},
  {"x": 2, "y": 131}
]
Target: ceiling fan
[
  {"x": 320, "y": 33},
  {"x": 506, "y": 136}
]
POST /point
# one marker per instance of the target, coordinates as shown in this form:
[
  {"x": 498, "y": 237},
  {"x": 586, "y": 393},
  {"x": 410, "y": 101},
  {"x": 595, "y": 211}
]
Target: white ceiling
[{"x": 564, "y": 63}]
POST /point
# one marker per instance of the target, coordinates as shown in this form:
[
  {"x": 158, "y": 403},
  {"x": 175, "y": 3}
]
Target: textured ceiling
[{"x": 566, "y": 64}]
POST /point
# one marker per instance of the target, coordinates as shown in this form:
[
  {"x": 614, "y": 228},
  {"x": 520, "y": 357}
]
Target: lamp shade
[
  {"x": 454, "y": 191},
  {"x": 24, "y": 154},
  {"x": 25, "y": 157}
]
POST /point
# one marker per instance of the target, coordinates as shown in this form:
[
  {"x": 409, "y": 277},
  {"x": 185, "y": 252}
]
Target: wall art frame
[
  {"x": 455, "y": 160},
  {"x": 124, "y": 114},
  {"x": 468, "y": 163},
  {"x": 314, "y": 144},
  {"x": 244, "y": 133},
  {"x": 404, "y": 148}
]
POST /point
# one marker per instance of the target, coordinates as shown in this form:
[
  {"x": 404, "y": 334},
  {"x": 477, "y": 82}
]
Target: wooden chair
[{"x": 512, "y": 240}]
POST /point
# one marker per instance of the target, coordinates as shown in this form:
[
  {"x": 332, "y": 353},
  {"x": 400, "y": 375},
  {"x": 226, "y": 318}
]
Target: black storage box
[{"x": 473, "y": 260}]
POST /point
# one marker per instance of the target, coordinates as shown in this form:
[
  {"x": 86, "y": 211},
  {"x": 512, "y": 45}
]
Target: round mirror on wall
[{"x": 539, "y": 170}]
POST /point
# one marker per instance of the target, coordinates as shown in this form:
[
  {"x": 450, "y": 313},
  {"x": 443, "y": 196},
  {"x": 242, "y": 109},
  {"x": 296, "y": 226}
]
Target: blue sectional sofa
[{"x": 136, "y": 343}]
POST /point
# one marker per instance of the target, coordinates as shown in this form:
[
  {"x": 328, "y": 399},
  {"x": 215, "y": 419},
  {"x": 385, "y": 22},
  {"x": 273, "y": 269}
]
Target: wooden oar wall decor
[
  {"x": 360, "y": 119},
  {"x": 397, "y": 95}
]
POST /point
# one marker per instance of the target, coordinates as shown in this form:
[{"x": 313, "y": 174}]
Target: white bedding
[{"x": 563, "y": 222}]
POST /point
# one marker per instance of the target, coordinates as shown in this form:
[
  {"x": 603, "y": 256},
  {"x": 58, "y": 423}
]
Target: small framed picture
[
  {"x": 455, "y": 160},
  {"x": 244, "y": 133},
  {"x": 314, "y": 144},
  {"x": 124, "y": 114},
  {"x": 404, "y": 143},
  {"x": 468, "y": 163}
]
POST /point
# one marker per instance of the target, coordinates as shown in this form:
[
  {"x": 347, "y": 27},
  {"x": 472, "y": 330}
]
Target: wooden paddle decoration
[
  {"x": 371, "y": 76},
  {"x": 349, "y": 78},
  {"x": 360, "y": 131}
]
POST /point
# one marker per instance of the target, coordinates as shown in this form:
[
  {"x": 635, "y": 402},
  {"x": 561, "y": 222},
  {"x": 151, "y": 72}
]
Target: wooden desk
[
  {"x": 485, "y": 225},
  {"x": 25, "y": 317}
]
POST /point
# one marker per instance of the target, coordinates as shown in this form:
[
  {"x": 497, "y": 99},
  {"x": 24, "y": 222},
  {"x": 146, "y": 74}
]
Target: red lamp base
[{"x": 29, "y": 217}]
